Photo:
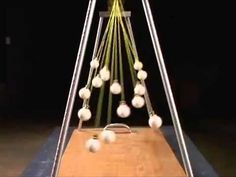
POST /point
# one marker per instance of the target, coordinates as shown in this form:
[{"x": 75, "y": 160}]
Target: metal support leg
[
  {"x": 167, "y": 87},
  {"x": 73, "y": 88},
  {"x": 98, "y": 37}
]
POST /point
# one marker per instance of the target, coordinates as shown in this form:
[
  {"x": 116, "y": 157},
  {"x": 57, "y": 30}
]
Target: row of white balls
[
  {"x": 105, "y": 73},
  {"x": 94, "y": 64},
  {"x": 122, "y": 111},
  {"x": 115, "y": 88},
  {"x": 107, "y": 136}
]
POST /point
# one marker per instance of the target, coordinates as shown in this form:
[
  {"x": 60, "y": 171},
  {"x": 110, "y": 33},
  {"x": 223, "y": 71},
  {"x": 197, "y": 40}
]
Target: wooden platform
[{"x": 144, "y": 153}]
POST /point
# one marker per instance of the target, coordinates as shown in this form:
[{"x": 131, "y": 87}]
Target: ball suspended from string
[
  {"x": 123, "y": 110},
  {"x": 84, "y": 114},
  {"x": 104, "y": 73},
  {"x": 93, "y": 145},
  {"x": 155, "y": 122},
  {"x": 138, "y": 101},
  {"x": 142, "y": 75},
  {"x": 108, "y": 136},
  {"x": 115, "y": 88},
  {"x": 138, "y": 65},
  {"x": 97, "y": 82},
  {"x": 139, "y": 89},
  {"x": 94, "y": 63},
  {"x": 84, "y": 93}
]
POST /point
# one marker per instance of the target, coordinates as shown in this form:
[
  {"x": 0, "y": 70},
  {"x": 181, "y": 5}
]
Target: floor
[
  {"x": 216, "y": 141},
  {"x": 21, "y": 140}
]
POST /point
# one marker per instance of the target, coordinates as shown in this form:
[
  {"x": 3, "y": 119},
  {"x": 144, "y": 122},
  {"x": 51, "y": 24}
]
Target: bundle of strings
[{"x": 110, "y": 59}]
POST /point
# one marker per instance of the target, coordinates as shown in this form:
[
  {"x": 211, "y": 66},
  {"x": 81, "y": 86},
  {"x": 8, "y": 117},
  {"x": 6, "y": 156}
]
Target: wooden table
[
  {"x": 41, "y": 164},
  {"x": 141, "y": 153}
]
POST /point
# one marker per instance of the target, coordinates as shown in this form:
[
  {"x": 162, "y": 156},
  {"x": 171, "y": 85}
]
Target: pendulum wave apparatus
[{"x": 106, "y": 67}]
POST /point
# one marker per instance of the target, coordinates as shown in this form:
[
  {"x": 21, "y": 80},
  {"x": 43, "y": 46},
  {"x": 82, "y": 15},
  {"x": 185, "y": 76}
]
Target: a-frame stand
[{"x": 76, "y": 76}]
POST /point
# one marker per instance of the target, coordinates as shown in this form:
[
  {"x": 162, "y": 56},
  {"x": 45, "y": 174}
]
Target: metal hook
[{"x": 118, "y": 125}]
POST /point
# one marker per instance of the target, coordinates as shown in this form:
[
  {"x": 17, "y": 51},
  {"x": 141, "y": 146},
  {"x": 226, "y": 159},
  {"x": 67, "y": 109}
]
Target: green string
[
  {"x": 108, "y": 52},
  {"x": 115, "y": 41},
  {"x": 134, "y": 47},
  {"x": 106, "y": 31},
  {"x": 102, "y": 90},
  {"x": 128, "y": 52},
  {"x": 121, "y": 66},
  {"x": 129, "y": 57},
  {"x": 109, "y": 110},
  {"x": 99, "y": 106},
  {"x": 121, "y": 9}
]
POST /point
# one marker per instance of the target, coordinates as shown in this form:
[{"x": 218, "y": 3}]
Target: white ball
[
  {"x": 115, "y": 88},
  {"x": 142, "y": 75},
  {"x": 84, "y": 93},
  {"x": 138, "y": 101},
  {"x": 123, "y": 110},
  {"x": 93, "y": 145},
  {"x": 139, "y": 89},
  {"x": 84, "y": 114},
  {"x": 97, "y": 82},
  {"x": 108, "y": 136},
  {"x": 155, "y": 122},
  {"x": 94, "y": 63},
  {"x": 138, "y": 65},
  {"x": 104, "y": 74}
]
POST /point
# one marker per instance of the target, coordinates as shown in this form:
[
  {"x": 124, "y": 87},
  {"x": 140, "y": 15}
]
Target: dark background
[
  {"x": 198, "y": 44},
  {"x": 36, "y": 68}
]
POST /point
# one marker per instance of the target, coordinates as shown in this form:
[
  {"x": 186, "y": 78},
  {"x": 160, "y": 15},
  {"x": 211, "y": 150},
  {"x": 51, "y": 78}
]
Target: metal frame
[
  {"x": 76, "y": 76},
  {"x": 73, "y": 88},
  {"x": 167, "y": 88}
]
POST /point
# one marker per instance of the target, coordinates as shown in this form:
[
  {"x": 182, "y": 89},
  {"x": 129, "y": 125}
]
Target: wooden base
[{"x": 144, "y": 153}]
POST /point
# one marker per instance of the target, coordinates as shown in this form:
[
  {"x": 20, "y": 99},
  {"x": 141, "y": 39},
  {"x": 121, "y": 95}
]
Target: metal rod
[
  {"x": 98, "y": 36},
  {"x": 130, "y": 30},
  {"x": 167, "y": 87},
  {"x": 120, "y": 125},
  {"x": 99, "y": 30},
  {"x": 73, "y": 88}
]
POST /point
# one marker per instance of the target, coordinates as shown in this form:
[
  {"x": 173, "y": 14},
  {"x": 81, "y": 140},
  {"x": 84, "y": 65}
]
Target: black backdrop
[{"x": 37, "y": 67}]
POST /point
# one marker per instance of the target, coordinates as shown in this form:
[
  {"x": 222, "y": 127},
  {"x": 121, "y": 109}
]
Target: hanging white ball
[
  {"x": 155, "y": 122},
  {"x": 108, "y": 136},
  {"x": 97, "y": 82},
  {"x": 84, "y": 93},
  {"x": 94, "y": 63},
  {"x": 123, "y": 110},
  {"x": 138, "y": 65},
  {"x": 84, "y": 114},
  {"x": 93, "y": 145},
  {"x": 142, "y": 75},
  {"x": 115, "y": 88},
  {"x": 139, "y": 89},
  {"x": 138, "y": 101},
  {"x": 104, "y": 74}
]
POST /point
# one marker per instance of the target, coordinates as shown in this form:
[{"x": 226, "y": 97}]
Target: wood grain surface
[{"x": 143, "y": 153}]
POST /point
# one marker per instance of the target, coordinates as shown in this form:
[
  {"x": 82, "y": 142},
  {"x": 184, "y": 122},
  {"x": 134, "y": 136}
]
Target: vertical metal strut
[
  {"x": 167, "y": 87},
  {"x": 73, "y": 88}
]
